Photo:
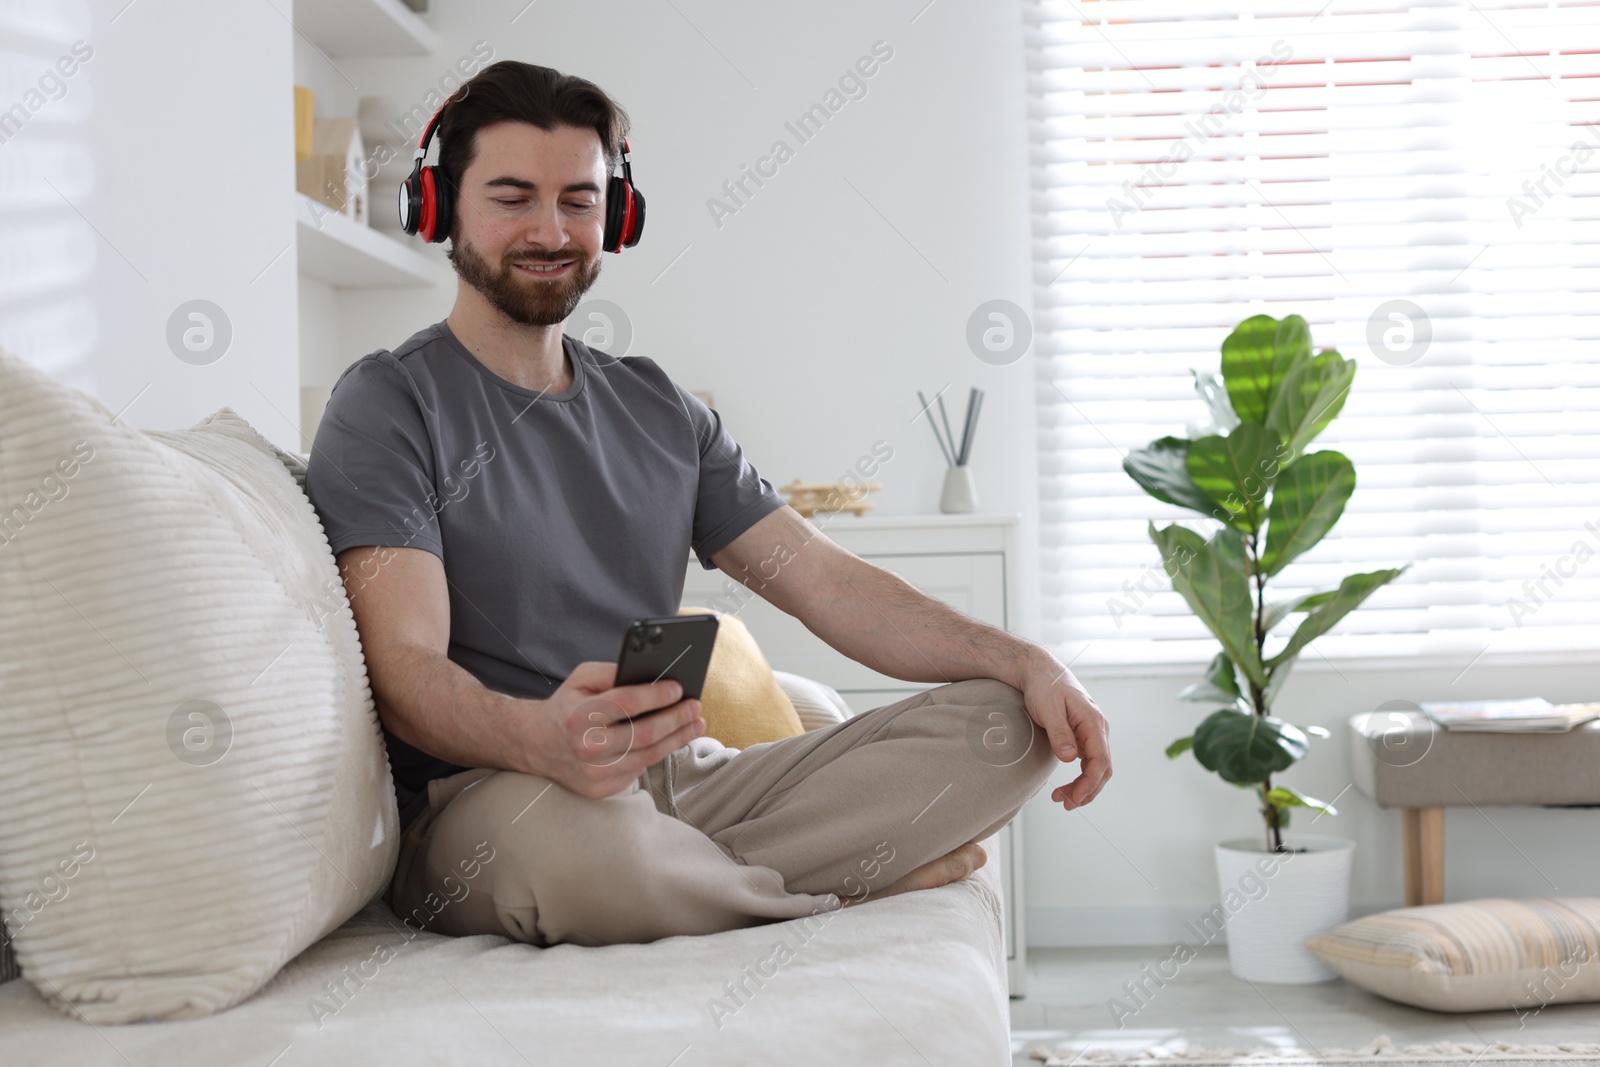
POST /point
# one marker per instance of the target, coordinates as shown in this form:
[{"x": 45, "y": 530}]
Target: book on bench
[{"x": 1532, "y": 715}]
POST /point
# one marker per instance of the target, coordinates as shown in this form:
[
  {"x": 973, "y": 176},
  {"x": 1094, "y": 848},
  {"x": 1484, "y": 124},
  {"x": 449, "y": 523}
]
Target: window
[
  {"x": 1422, "y": 183},
  {"x": 47, "y": 253}
]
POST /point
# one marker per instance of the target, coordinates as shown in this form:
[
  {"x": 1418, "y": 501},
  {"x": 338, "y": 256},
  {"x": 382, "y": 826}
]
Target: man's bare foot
[{"x": 950, "y": 867}]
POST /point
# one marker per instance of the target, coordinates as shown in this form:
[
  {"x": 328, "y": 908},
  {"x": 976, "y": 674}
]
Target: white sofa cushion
[
  {"x": 909, "y": 980},
  {"x": 817, "y": 704},
  {"x": 193, "y": 785}
]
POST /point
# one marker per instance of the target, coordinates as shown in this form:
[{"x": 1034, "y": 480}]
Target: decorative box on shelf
[{"x": 967, "y": 561}]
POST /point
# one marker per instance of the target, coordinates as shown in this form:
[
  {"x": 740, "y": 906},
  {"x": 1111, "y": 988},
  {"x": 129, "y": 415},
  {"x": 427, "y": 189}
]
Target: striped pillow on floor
[{"x": 1478, "y": 955}]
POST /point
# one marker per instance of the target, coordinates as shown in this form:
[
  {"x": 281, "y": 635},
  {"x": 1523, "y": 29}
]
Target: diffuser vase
[{"x": 959, "y": 497}]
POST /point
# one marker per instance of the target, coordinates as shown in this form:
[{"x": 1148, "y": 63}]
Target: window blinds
[
  {"x": 47, "y": 253},
  {"x": 1422, "y": 183}
]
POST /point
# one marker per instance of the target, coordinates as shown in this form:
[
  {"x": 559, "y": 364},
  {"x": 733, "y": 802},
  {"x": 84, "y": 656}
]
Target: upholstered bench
[{"x": 1403, "y": 759}]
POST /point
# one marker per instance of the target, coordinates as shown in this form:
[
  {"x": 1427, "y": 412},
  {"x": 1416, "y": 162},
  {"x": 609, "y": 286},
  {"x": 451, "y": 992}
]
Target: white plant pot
[{"x": 1276, "y": 902}]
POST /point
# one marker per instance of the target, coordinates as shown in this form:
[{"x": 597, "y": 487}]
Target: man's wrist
[
  {"x": 1031, "y": 658},
  {"x": 522, "y": 718}
]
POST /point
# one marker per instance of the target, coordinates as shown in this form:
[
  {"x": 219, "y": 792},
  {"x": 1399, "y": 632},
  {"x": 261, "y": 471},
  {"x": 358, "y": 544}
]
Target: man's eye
[
  {"x": 576, "y": 206},
  {"x": 509, "y": 203}
]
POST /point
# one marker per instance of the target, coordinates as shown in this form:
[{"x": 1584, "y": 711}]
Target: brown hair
[{"x": 522, "y": 92}]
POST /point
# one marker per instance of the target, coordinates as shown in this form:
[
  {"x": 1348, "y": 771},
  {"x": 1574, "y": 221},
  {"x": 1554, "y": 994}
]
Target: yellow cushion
[{"x": 741, "y": 702}]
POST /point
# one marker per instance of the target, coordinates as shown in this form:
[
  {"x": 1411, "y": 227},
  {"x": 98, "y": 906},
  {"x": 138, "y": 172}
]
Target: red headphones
[{"x": 427, "y": 207}]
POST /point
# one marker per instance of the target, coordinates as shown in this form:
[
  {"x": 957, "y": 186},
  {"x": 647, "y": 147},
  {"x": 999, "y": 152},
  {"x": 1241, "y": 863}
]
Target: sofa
[{"x": 231, "y": 911}]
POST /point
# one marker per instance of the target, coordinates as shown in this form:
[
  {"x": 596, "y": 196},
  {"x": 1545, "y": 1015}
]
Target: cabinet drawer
[{"x": 972, "y": 583}]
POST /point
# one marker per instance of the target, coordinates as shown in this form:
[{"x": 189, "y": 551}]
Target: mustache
[{"x": 547, "y": 259}]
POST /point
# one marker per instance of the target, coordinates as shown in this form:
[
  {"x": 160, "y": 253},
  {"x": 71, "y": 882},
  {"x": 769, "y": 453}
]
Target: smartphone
[{"x": 678, "y": 648}]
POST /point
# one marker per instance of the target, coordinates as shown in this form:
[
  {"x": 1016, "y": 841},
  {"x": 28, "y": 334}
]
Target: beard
[{"x": 527, "y": 300}]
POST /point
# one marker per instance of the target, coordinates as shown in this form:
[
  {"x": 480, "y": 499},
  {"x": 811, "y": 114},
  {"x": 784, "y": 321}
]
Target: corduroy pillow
[
  {"x": 193, "y": 784},
  {"x": 1477, "y": 955},
  {"x": 819, "y": 706},
  {"x": 742, "y": 703}
]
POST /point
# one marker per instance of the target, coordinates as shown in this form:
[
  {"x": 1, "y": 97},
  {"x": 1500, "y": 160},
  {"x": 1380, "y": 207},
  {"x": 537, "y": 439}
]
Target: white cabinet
[{"x": 967, "y": 561}]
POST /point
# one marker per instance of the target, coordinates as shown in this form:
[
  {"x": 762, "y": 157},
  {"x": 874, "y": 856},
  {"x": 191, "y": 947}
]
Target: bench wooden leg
[{"x": 1422, "y": 838}]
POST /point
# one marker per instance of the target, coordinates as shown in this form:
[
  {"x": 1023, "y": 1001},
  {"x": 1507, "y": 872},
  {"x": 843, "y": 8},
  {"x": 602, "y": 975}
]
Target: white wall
[{"x": 170, "y": 191}]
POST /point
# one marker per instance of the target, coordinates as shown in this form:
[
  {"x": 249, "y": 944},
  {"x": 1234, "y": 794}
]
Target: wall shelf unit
[
  {"x": 338, "y": 251},
  {"x": 364, "y": 28}
]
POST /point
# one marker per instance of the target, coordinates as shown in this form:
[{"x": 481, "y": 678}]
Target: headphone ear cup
[
  {"x": 635, "y": 226},
  {"x": 616, "y": 209},
  {"x": 410, "y": 203},
  {"x": 426, "y": 217},
  {"x": 443, "y": 206}
]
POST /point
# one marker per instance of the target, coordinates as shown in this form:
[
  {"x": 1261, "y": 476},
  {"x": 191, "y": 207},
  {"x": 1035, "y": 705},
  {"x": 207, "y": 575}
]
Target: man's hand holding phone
[{"x": 599, "y": 736}]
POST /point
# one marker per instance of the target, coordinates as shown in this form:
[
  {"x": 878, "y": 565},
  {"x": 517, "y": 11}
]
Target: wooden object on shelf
[
  {"x": 808, "y": 498},
  {"x": 335, "y": 172},
  {"x": 305, "y": 101}
]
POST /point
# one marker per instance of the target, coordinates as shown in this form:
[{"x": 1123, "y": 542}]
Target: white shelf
[
  {"x": 335, "y": 249},
  {"x": 364, "y": 28}
]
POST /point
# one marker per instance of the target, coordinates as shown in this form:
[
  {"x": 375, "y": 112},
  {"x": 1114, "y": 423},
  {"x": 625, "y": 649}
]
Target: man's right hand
[{"x": 594, "y": 739}]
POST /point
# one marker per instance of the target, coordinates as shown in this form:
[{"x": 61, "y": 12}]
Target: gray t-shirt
[{"x": 560, "y": 518}]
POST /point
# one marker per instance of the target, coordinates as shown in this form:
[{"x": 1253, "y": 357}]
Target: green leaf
[
  {"x": 1245, "y": 748},
  {"x": 1220, "y": 685},
  {"x": 1309, "y": 397},
  {"x": 1279, "y": 797},
  {"x": 1307, "y": 500},
  {"x": 1210, "y": 576},
  {"x": 1160, "y": 469},
  {"x": 1179, "y": 747},
  {"x": 1352, "y": 591},
  {"x": 1215, "y": 394},
  {"x": 1237, "y": 472},
  {"x": 1257, "y": 356}
]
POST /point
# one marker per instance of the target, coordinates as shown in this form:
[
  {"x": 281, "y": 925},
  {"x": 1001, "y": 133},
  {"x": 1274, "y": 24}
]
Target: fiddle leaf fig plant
[{"x": 1272, "y": 502}]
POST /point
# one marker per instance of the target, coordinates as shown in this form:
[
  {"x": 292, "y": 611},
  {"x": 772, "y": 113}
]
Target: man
[{"x": 503, "y": 501}]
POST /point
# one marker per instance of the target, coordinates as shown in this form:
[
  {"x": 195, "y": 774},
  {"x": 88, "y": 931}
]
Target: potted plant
[{"x": 1271, "y": 501}]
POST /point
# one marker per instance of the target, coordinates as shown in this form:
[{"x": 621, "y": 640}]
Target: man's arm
[
  {"x": 884, "y": 622},
  {"x": 402, "y": 611}
]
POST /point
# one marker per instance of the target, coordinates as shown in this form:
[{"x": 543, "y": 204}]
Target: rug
[{"x": 1381, "y": 1051}]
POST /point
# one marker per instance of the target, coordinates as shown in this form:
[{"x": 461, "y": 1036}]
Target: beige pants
[{"x": 715, "y": 838}]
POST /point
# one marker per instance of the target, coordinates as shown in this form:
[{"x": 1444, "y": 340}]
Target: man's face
[{"x": 531, "y": 198}]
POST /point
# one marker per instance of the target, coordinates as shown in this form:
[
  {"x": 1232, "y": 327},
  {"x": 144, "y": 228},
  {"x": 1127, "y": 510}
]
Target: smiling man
[{"x": 503, "y": 501}]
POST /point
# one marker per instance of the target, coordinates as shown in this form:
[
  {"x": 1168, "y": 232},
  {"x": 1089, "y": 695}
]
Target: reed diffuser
[{"x": 959, "y": 496}]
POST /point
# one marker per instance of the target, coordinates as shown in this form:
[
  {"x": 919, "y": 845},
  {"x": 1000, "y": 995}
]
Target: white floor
[{"x": 1205, "y": 1006}]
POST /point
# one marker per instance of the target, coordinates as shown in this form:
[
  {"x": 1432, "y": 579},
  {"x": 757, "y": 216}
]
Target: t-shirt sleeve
[
  {"x": 370, "y": 476},
  {"x": 732, "y": 496}
]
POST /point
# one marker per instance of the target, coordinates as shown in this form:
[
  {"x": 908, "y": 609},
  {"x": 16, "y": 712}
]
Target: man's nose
[{"x": 543, "y": 229}]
